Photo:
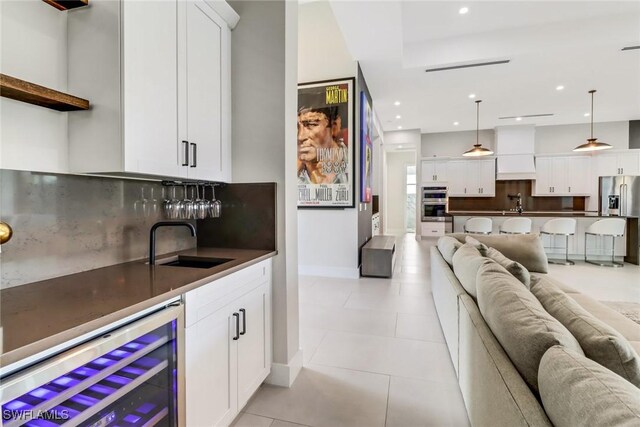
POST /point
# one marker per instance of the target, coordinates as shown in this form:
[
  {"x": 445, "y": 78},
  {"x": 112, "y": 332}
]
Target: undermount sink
[{"x": 194, "y": 262}]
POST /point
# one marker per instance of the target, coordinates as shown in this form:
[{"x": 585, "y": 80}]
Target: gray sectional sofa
[{"x": 513, "y": 375}]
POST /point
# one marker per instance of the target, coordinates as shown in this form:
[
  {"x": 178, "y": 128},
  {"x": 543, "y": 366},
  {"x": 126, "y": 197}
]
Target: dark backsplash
[
  {"x": 502, "y": 202},
  {"x": 248, "y": 219}
]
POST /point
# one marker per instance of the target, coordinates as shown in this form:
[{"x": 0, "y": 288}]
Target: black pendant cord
[
  {"x": 592, "y": 92},
  {"x": 478, "y": 122}
]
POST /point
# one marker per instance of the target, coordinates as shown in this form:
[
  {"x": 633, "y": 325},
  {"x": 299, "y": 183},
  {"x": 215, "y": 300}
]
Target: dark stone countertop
[
  {"x": 40, "y": 315},
  {"x": 577, "y": 214}
]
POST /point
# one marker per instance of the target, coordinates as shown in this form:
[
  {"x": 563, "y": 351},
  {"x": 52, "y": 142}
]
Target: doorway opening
[{"x": 410, "y": 199}]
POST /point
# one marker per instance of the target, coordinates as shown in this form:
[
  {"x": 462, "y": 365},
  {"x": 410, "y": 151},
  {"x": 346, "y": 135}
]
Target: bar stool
[
  {"x": 478, "y": 225},
  {"x": 613, "y": 227},
  {"x": 516, "y": 226},
  {"x": 561, "y": 227}
]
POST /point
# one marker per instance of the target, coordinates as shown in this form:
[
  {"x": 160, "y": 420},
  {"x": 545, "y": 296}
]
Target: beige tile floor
[{"x": 374, "y": 353}]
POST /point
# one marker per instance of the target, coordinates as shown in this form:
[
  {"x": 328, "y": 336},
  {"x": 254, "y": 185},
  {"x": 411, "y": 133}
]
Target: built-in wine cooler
[{"x": 128, "y": 377}]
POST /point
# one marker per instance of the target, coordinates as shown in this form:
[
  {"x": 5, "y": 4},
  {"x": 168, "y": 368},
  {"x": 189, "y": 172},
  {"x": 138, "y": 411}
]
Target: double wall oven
[{"x": 435, "y": 204}]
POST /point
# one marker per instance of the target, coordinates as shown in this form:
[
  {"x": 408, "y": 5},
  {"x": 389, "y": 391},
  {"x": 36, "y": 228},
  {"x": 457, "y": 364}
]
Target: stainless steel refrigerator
[{"x": 620, "y": 196}]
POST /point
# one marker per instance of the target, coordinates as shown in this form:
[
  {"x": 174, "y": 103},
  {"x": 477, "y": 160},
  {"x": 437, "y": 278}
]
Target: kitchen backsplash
[{"x": 65, "y": 224}]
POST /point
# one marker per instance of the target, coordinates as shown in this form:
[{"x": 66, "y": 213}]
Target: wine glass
[
  {"x": 172, "y": 206},
  {"x": 215, "y": 206},
  {"x": 188, "y": 207},
  {"x": 141, "y": 206},
  {"x": 201, "y": 205}
]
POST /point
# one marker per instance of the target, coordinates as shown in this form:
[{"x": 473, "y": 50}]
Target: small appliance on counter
[{"x": 619, "y": 196}]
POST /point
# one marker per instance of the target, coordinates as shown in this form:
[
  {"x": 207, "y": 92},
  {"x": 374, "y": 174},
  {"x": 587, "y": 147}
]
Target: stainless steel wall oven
[{"x": 435, "y": 204}]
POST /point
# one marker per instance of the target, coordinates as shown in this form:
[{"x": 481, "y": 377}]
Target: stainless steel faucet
[
  {"x": 152, "y": 235},
  {"x": 518, "y": 198}
]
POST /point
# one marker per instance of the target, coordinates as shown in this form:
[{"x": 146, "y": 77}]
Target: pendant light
[
  {"x": 592, "y": 143},
  {"x": 477, "y": 149}
]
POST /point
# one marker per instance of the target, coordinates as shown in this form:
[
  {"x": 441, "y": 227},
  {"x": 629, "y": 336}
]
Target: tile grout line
[
  {"x": 386, "y": 413},
  {"x": 317, "y": 347}
]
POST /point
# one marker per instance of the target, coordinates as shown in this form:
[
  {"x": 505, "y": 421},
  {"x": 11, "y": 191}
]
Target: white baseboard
[
  {"x": 284, "y": 375},
  {"x": 316, "y": 270}
]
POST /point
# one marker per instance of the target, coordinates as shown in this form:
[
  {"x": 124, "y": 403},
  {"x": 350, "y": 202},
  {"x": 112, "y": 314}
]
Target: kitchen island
[{"x": 598, "y": 248}]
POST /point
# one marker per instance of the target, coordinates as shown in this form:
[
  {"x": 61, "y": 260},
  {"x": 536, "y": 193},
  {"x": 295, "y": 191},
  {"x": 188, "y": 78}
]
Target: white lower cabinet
[{"x": 227, "y": 344}]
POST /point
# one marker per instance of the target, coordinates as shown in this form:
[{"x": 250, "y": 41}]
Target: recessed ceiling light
[
  {"x": 559, "y": 87},
  {"x": 396, "y": 103},
  {"x": 518, "y": 118},
  {"x": 399, "y": 146},
  {"x": 456, "y": 123},
  {"x": 587, "y": 114},
  {"x": 398, "y": 116},
  {"x": 472, "y": 95},
  {"x": 399, "y": 127},
  {"x": 463, "y": 10}
]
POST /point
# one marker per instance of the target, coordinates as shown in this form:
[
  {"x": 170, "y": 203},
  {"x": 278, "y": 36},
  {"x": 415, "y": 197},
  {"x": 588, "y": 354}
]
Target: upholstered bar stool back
[
  {"x": 478, "y": 225},
  {"x": 560, "y": 227},
  {"x": 613, "y": 227},
  {"x": 516, "y": 226}
]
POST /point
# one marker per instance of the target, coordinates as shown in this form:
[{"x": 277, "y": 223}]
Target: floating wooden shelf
[
  {"x": 67, "y": 4},
  {"x": 17, "y": 89}
]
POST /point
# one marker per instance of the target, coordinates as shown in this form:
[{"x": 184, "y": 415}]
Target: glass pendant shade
[
  {"x": 592, "y": 143},
  {"x": 478, "y": 149}
]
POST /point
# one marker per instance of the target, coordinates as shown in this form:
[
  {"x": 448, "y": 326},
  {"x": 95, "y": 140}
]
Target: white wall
[
  {"x": 264, "y": 148},
  {"x": 409, "y": 137},
  {"x": 548, "y": 140},
  {"x": 327, "y": 238},
  {"x": 453, "y": 144},
  {"x": 564, "y": 138},
  {"x": 396, "y": 189},
  {"x": 33, "y": 48}
]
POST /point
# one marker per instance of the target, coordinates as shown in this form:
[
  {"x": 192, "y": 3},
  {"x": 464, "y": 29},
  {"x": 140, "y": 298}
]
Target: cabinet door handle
[
  {"x": 186, "y": 153},
  {"x": 195, "y": 154},
  {"x": 569, "y": 189},
  {"x": 621, "y": 171},
  {"x": 244, "y": 321},
  {"x": 465, "y": 190},
  {"x": 237, "y": 317}
]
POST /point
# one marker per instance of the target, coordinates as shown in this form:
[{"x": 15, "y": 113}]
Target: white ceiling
[{"x": 572, "y": 43}]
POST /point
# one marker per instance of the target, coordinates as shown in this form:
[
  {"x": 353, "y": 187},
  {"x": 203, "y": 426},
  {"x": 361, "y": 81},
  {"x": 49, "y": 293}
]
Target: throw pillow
[
  {"x": 519, "y": 322},
  {"x": 466, "y": 262},
  {"x": 526, "y": 249},
  {"x": 599, "y": 341},
  {"x": 447, "y": 247},
  {"x": 576, "y": 391},
  {"x": 515, "y": 268}
]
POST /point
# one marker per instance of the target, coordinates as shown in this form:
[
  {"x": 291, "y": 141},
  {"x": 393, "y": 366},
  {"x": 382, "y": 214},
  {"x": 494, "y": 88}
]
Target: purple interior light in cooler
[
  {"x": 148, "y": 338},
  {"x": 117, "y": 379},
  {"x": 132, "y": 371},
  {"x": 132, "y": 419},
  {"x": 41, "y": 423},
  {"x": 43, "y": 393},
  {"x": 145, "y": 408},
  {"x": 102, "y": 389},
  {"x": 83, "y": 400}
]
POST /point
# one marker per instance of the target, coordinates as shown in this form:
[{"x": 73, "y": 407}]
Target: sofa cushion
[
  {"x": 519, "y": 322},
  {"x": 448, "y": 246},
  {"x": 526, "y": 249},
  {"x": 599, "y": 341},
  {"x": 561, "y": 285},
  {"x": 576, "y": 391},
  {"x": 515, "y": 268},
  {"x": 466, "y": 262}
]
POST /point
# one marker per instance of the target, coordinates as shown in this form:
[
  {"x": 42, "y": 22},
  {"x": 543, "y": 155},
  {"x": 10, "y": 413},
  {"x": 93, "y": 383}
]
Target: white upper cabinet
[
  {"x": 157, "y": 74},
  {"x": 472, "y": 178},
  {"x": 434, "y": 171},
  {"x": 563, "y": 176},
  {"x": 623, "y": 163}
]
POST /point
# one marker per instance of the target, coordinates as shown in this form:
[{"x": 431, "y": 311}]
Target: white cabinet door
[
  {"x": 544, "y": 167},
  {"x": 607, "y": 164},
  {"x": 560, "y": 176},
  {"x": 580, "y": 179},
  {"x": 203, "y": 60},
  {"x": 428, "y": 171},
  {"x": 211, "y": 370},
  {"x": 629, "y": 163},
  {"x": 487, "y": 177},
  {"x": 441, "y": 171},
  {"x": 456, "y": 185},
  {"x": 254, "y": 349}
]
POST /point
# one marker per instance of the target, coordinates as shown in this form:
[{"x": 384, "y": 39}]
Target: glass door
[{"x": 410, "y": 201}]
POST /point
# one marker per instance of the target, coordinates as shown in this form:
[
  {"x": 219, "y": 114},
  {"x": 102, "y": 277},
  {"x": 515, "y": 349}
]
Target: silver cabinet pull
[
  {"x": 195, "y": 154},
  {"x": 186, "y": 153}
]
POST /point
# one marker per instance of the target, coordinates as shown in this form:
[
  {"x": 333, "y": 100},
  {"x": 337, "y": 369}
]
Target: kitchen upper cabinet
[
  {"x": 158, "y": 76},
  {"x": 563, "y": 176},
  {"x": 227, "y": 344},
  {"x": 434, "y": 171},
  {"x": 622, "y": 163},
  {"x": 472, "y": 178}
]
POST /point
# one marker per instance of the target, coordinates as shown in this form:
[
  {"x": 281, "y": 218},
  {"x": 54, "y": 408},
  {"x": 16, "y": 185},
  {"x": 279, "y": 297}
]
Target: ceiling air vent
[
  {"x": 527, "y": 115},
  {"x": 476, "y": 64}
]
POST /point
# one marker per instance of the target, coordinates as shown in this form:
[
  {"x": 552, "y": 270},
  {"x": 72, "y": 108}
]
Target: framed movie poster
[
  {"x": 325, "y": 162},
  {"x": 366, "y": 148}
]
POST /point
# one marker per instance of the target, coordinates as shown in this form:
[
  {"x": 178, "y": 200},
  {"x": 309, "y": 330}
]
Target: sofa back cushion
[
  {"x": 448, "y": 246},
  {"x": 526, "y": 249},
  {"x": 515, "y": 268},
  {"x": 576, "y": 391},
  {"x": 599, "y": 341},
  {"x": 466, "y": 262},
  {"x": 519, "y": 322}
]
